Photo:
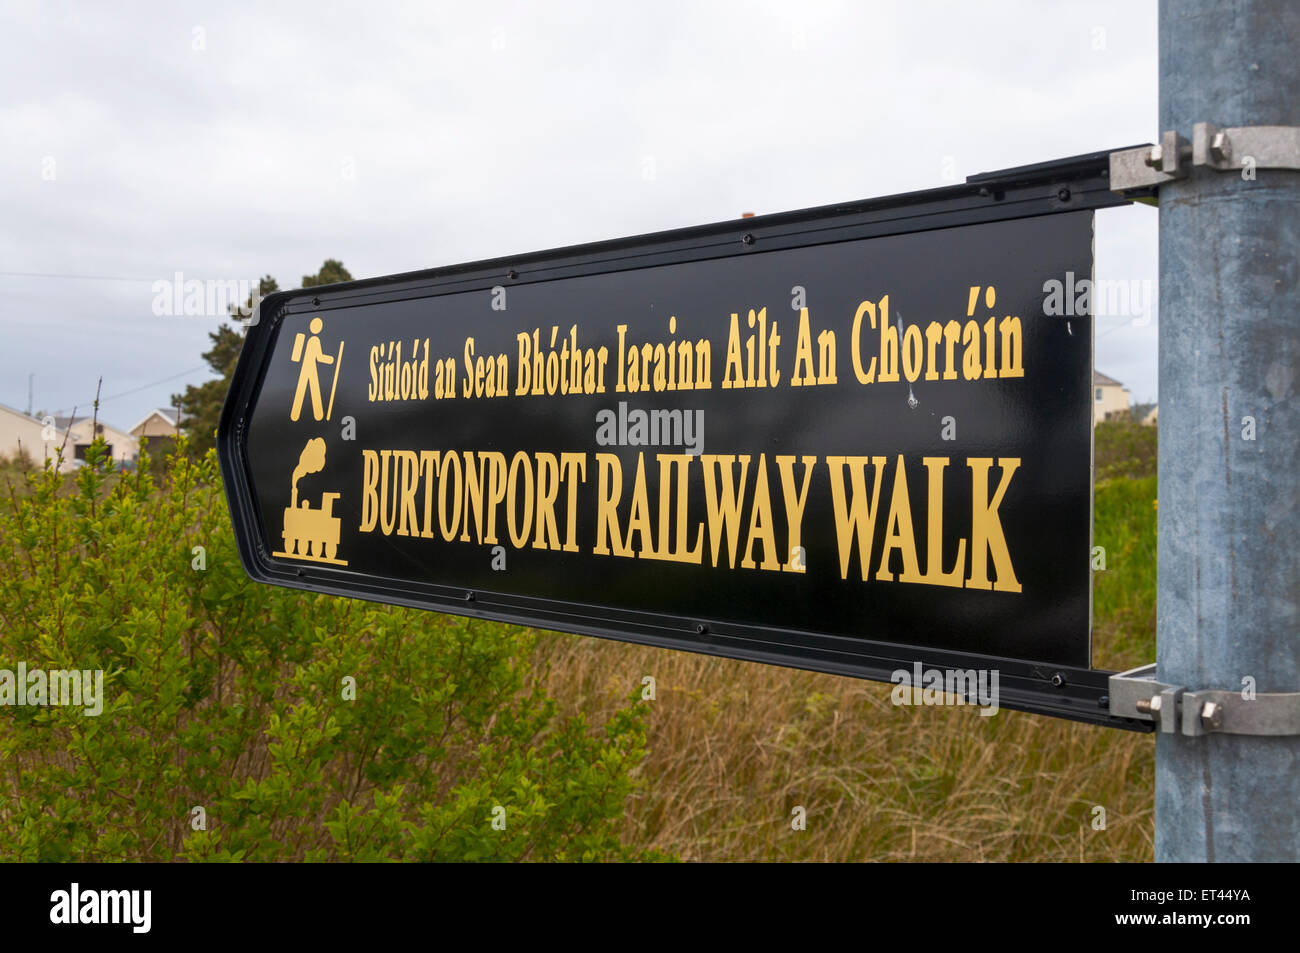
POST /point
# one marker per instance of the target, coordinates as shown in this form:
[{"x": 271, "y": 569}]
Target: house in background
[
  {"x": 122, "y": 447},
  {"x": 20, "y": 433},
  {"x": 1153, "y": 416},
  {"x": 156, "y": 427},
  {"x": 1110, "y": 398}
]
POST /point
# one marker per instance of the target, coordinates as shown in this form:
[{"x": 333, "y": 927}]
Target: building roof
[
  {"x": 64, "y": 423},
  {"x": 18, "y": 413},
  {"x": 1101, "y": 380},
  {"x": 165, "y": 413}
]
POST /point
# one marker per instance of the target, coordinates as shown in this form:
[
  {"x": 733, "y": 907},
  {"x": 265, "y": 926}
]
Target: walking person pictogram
[{"x": 312, "y": 355}]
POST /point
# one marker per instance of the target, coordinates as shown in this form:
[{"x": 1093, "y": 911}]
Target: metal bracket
[
  {"x": 1240, "y": 147},
  {"x": 1138, "y": 694},
  {"x": 1146, "y": 168}
]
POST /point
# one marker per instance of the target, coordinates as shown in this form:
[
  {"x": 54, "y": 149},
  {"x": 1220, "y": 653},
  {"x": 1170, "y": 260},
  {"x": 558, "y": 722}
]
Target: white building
[
  {"x": 156, "y": 425},
  {"x": 1110, "y": 398},
  {"x": 33, "y": 437},
  {"x": 41, "y": 438},
  {"x": 122, "y": 447}
]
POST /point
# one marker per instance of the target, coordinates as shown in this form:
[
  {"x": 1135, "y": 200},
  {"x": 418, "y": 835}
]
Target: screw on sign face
[{"x": 311, "y": 355}]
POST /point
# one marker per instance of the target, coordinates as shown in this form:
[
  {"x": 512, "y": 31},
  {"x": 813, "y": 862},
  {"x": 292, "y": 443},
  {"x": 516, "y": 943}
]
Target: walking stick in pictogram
[{"x": 338, "y": 364}]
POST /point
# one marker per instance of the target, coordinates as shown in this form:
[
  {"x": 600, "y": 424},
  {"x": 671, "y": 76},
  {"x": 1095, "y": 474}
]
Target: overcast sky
[{"x": 232, "y": 140}]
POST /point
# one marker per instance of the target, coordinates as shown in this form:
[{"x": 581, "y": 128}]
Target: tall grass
[{"x": 735, "y": 747}]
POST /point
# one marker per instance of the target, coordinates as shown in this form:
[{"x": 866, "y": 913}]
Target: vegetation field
[
  {"x": 735, "y": 747},
  {"x": 249, "y": 722}
]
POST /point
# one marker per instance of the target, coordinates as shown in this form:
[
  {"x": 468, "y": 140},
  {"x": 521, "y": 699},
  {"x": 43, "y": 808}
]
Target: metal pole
[{"x": 1229, "y": 508}]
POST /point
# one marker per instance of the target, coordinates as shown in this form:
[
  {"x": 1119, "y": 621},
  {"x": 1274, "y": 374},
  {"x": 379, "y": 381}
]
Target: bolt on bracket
[
  {"x": 1138, "y": 694},
  {"x": 1235, "y": 148},
  {"x": 1141, "y": 171}
]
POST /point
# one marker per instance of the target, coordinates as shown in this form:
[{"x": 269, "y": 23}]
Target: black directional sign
[{"x": 848, "y": 439}]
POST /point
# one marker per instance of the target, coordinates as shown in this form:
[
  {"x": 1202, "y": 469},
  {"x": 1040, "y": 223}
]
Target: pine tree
[
  {"x": 200, "y": 405},
  {"x": 332, "y": 272}
]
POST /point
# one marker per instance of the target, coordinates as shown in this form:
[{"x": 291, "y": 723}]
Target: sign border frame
[{"x": 1065, "y": 185}]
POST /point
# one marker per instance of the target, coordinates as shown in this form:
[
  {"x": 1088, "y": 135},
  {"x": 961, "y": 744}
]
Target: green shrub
[
  {"x": 1124, "y": 449},
  {"x": 229, "y": 696},
  {"x": 18, "y": 462}
]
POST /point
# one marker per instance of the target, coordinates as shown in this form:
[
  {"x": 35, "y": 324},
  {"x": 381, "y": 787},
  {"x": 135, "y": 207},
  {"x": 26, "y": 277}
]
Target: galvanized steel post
[{"x": 1229, "y": 420}]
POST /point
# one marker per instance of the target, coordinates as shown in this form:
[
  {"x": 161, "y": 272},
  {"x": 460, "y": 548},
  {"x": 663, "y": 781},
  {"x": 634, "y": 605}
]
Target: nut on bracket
[
  {"x": 1174, "y": 710},
  {"x": 1259, "y": 147},
  {"x": 1139, "y": 172},
  {"x": 1147, "y": 167}
]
